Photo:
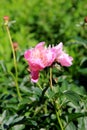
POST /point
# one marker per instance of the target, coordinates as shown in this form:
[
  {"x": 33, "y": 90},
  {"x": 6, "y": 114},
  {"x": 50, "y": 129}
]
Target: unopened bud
[
  {"x": 85, "y": 19},
  {"x": 15, "y": 46},
  {"x": 6, "y": 18}
]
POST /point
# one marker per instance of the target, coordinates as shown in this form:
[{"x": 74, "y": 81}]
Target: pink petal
[
  {"x": 59, "y": 46},
  {"x": 34, "y": 76},
  {"x": 36, "y": 65},
  {"x": 64, "y": 59},
  {"x": 27, "y": 54},
  {"x": 40, "y": 45},
  {"x": 50, "y": 57},
  {"x": 58, "y": 49}
]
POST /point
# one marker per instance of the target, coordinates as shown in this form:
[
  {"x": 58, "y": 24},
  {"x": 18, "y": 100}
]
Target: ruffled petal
[{"x": 64, "y": 59}]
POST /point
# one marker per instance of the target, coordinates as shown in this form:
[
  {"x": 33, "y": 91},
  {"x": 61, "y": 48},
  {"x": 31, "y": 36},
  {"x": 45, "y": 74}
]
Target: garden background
[{"x": 53, "y": 22}]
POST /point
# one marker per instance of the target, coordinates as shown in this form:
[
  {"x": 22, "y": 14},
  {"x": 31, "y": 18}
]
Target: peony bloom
[
  {"x": 41, "y": 57},
  {"x": 38, "y": 58}
]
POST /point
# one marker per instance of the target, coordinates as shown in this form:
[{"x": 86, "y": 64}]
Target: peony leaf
[{"x": 72, "y": 97}]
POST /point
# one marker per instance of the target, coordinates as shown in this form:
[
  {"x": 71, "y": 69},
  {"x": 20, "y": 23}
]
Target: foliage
[{"x": 52, "y": 22}]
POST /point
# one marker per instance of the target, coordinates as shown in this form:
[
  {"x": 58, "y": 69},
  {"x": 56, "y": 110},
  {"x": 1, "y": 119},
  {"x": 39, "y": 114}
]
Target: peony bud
[
  {"x": 85, "y": 19},
  {"x": 6, "y": 18},
  {"x": 15, "y": 46}
]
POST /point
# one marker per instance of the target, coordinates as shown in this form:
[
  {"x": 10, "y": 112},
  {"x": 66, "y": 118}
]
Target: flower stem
[
  {"x": 51, "y": 86},
  {"x": 15, "y": 62},
  {"x": 55, "y": 105},
  {"x": 58, "y": 116}
]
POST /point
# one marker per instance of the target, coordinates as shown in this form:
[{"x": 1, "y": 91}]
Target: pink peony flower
[
  {"x": 41, "y": 57},
  {"x": 38, "y": 58}
]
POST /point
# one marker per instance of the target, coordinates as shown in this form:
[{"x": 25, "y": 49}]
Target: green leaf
[
  {"x": 18, "y": 127},
  {"x": 74, "y": 116},
  {"x": 72, "y": 97},
  {"x": 83, "y": 71},
  {"x": 83, "y": 60},
  {"x": 82, "y": 123},
  {"x": 37, "y": 91},
  {"x": 3, "y": 66},
  {"x": 71, "y": 126},
  {"x": 11, "y": 119},
  {"x": 18, "y": 119}
]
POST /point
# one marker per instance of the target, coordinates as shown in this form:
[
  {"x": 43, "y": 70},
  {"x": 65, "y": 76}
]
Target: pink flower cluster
[{"x": 41, "y": 57}]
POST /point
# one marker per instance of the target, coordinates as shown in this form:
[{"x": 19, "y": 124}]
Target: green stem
[
  {"x": 56, "y": 110},
  {"x": 58, "y": 116},
  {"x": 15, "y": 62},
  {"x": 41, "y": 88},
  {"x": 51, "y": 86}
]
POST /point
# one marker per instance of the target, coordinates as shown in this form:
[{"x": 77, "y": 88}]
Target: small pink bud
[
  {"x": 6, "y": 18},
  {"x": 15, "y": 46}
]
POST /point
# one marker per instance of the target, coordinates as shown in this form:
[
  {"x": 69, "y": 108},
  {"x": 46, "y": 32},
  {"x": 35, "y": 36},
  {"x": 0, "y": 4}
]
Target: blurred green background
[
  {"x": 44, "y": 20},
  {"x": 49, "y": 21}
]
